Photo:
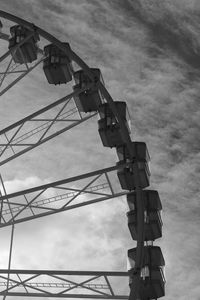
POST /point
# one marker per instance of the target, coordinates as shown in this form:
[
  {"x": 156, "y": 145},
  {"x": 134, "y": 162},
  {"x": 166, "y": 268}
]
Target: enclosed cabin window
[
  {"x": 28, "y": 50},
  {"x": 152, "y": 281},
  {"x": 90, "y": 99},
  {"x": 132, "y": 176},
  {"x": 152, "y": 219},
  {"x": 109, "y": 129},
  {"x": 57, "y": 65}
]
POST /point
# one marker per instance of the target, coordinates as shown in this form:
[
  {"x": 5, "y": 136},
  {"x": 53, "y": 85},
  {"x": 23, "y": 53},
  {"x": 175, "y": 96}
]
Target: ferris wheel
[{"x": 26, "y": 47}]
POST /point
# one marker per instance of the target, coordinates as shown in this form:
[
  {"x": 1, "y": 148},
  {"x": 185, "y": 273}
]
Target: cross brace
[
  {"x": 64, "y": 284},
  {"x": 93, "y": 187},
  {"x": 39, "y": 127}
]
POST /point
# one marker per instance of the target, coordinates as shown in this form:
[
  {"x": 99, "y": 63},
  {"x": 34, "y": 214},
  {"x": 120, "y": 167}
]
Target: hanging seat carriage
[
  {"x": 109, "y": 129},
  {"x": 90, "y": 99},
  {"x": 152, "y": 280},
  {"x": 128, "y": 177},
  {"x": 57, "y": 65},
  {"x": 28, "y": 50}
]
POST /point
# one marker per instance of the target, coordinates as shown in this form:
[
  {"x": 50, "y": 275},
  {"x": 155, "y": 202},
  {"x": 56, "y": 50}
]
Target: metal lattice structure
[
  {"x": 39, "y": 128},
  {"x": 31, "y": 203},
  {"x": 36, "y": 129},
  {"x": 62, "y": 284}
]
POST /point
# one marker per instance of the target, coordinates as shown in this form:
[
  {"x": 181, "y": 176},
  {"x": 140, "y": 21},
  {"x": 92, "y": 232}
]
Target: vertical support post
[
  {"x": 11, "y": 241},
  {"x": 9, "y": 261}
]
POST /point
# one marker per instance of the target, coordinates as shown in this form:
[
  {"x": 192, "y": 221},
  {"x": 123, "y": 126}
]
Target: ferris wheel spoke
[
  {"x": 91, "y": 284},
  {"x": 39, "y": 127},
  {"x": 49, "y": 199},
  {"x": 26, "y": 206},
  {"x": 5, "y": 73},
  {"x": 59, "y": 116},
  {"x": 28, "y": 147},
  {"x": 25, "y": 283},
  {"x": 21, "y": 281},
  {"x": 83, "y": 285},
  {"x": 81, "y": 191},
  {"x": 9, "y": 141},
  {"x": 40, "y": 204},
  {"x": 12, "y": 82}
]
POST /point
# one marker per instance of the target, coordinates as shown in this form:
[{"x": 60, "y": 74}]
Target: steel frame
[
  {"x": 127, "y": 139},
  {"x": 31, "y": 203},
  {"x": 25, "y": 134},
  {"x": 66, "y": 284}
]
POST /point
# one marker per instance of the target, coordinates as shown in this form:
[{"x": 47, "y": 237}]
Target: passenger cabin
[
  {"x": 152, "y": 281},
  {"x": 137, "y": 173},
  {"x": 57, "y": 65},
  {"x": 152, "y": 218},
  {"x": 109, "y": 129},
  {"x": 152, "y": 257},
  {"x": 90, "y": 99},
  {"x": 27, "y": 51}
]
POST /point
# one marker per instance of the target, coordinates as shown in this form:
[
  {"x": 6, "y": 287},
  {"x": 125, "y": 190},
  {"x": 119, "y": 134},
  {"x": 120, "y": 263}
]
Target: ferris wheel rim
[{"x": 46, "y": 35}]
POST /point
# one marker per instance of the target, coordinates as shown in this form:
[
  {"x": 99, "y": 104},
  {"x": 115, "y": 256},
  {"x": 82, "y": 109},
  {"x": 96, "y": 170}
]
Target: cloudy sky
[{"x": 149, "y": 55}]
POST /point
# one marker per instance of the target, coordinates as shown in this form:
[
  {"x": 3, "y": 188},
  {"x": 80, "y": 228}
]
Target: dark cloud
[
  {"x": 52, "y": 7},
  {"x": 171, "y": 28}
]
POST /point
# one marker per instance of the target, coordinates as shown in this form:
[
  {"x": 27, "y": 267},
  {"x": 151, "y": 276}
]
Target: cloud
[
  {"x": 17, "y": 184},
  {"x": 172, "y": 26}
]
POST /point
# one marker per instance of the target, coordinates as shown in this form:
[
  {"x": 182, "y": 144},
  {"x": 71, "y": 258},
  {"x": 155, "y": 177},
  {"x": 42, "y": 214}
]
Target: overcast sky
[{"x": 149, "y": 55}]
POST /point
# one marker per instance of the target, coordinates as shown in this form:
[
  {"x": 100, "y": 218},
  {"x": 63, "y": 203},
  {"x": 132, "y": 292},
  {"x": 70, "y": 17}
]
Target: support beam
[
  {"x": 64, "y": 284},
  {"x": 38, "y": 128},
  {"x": 34, "y": 203}
]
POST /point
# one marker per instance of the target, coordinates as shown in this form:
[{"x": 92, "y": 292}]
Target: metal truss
[
  {"x": 63, "y": 284},
  {"x": 39, "y": 127},
  {"x": 59, "y": 196}
]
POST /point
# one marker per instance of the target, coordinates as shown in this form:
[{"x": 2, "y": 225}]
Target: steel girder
[
  {"x": 59, "y": 196},
  {"x": 39, "y": 127},
  {"x": 63, "y": 284}
]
